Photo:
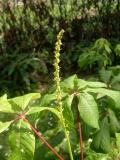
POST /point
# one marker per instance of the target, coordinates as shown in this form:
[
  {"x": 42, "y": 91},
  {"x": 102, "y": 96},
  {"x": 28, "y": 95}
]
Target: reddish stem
[
  {"x": 80, "y": 136},
  {"x": 39, "y": 135},
  {"x": 81, "y": 141}
]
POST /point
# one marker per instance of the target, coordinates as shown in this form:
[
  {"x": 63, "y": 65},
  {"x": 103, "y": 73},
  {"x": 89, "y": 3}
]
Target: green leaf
[
  {"x": 113, "y": 95},
  {"x": 92, "y": 155},
  {"x": 107, "y": 48},
  {"x": 105, "y": 75},
  {"x": 4, "y": 126},
  {"x": 118, "y": 140},
  {"x": 88, "y": 109},
  {"x": 116, "y": 79},
  {"x": 23, "y": 101},
  {"x": 22, "y": 142},
  {"x": 101, "y": 140},
  {"x": 5, "y": 106},
  {"x": 47, "y": 99},
  {"x": 37, "y": 109},
  {"x": 114, "y": 123},
  {"x": 67, "y": 112},
  {"x": 102, "y": 44},
  {"x": 68, "y": 83},
  {"x": 117, "y": 49},
  {"x": 85, "y": 59},
  {"x": 81, "y": 84},
  {"x": 96, "y": 84}
]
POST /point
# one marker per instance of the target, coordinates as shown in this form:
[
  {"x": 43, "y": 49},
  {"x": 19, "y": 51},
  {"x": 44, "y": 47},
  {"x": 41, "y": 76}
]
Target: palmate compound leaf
[
  {"x": 88, "y": 109},
  {"x": 101, "y": 140},
  {"x": 4, "y": 126},
  {"x": 5, "y": 106},
  {"x": 66, "y": 110},
  {"x": 113, "y": 95},
  {"x": 22, "y": 142},
  {"x": 23, "y": 101}
]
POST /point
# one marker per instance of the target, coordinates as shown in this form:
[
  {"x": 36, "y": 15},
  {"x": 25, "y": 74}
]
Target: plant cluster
[
  {"x": 79, "y": 108},
  {"x": 101, "y": 54}
]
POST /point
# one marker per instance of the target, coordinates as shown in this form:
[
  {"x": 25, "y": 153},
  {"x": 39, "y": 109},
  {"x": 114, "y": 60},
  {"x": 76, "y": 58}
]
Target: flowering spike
[
  {"x": 58, "y": 88},
  {"x": 57, "y": 68}
]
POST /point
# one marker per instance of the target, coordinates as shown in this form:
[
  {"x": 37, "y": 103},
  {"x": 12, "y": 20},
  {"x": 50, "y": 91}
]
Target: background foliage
[{"x": 28, "y": 30}]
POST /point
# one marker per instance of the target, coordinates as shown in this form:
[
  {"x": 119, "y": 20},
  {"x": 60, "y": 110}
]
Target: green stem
[
  {"x": 58, "y": 89},
  {"x": 67, "y": 137},
  {"x": 68, "y": 143}
]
